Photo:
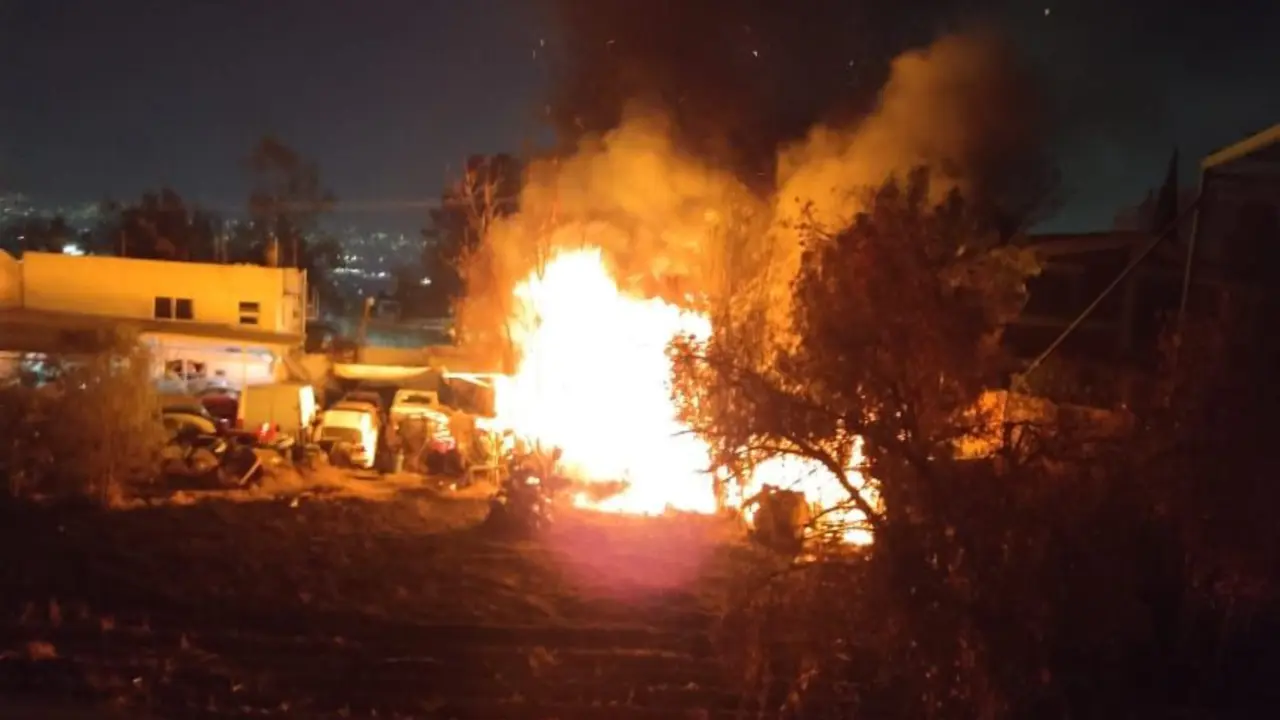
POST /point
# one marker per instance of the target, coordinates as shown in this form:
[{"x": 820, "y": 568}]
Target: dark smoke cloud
[{"x": 738, "y": 78}]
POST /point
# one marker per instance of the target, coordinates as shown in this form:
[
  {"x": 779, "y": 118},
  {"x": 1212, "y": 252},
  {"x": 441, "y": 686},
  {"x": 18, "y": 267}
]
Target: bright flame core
[{"x": 594, "y": 380}]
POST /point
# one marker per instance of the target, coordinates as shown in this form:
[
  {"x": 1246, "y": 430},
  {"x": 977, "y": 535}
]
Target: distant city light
[
  {"x": 425, "y": 281},
  {"x": 72, "y": 249}
]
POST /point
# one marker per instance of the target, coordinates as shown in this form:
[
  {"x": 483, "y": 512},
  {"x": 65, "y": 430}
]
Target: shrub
[{"x": 89, "y": 429}]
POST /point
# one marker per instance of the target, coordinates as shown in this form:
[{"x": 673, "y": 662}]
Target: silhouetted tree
[
  {"x": 488, "y": 189},
  {"x": 860, "y": 364},
  {"x": 974, "y": 586},
  {"x": 1084, "y": 569},
  {"x": 1159, "y": 208},
  {"x": 1213, "y": 459},
  {"x": 38, "y": 235},
  {"x": 286, "y": 205},
  {"x": 161, "y": 226},
  {"x": 412, "y": 289}
]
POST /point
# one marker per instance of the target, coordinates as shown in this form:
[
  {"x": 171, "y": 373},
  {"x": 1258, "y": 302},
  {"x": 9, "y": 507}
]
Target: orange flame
[{"x": 594, "y": 381}]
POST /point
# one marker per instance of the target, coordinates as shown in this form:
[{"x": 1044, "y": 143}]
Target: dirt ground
[{"x": 382, "y": 600}]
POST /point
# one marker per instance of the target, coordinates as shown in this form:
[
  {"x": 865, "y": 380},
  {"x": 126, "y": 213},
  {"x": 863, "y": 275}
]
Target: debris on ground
[{"x": 397, "y": 608}]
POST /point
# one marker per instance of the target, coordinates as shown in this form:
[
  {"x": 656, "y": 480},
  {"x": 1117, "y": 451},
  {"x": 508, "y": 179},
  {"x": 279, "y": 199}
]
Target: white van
[
  {"x": 277, "y": 409},
  {"x": 351, "y": 430}
]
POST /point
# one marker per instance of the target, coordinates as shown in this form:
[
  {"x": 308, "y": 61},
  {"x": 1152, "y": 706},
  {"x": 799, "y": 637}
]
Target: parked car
[
  {"x": 367, "y": 397},
  {"x": 222, "y": 403},
  {"x": 177, "y": 422},
  {"x": 349, "y": 434},
  {"x": 360, "y": 405},
  {"x": 189, "y": 409}
]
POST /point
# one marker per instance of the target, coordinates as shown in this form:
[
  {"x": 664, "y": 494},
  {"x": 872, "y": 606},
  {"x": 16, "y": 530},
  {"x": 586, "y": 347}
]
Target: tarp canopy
[{"x": 387, "y": 373}]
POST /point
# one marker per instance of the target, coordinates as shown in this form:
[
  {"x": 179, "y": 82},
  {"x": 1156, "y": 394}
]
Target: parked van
[
  {"x": 277, "y": 409},
  {"x": 349, "y": 433}
]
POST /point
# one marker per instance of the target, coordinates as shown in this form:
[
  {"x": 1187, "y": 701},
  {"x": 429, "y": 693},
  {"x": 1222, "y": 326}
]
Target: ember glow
[{"x": 594, "y": 380}]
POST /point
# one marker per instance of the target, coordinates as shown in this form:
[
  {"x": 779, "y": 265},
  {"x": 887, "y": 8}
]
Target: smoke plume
[
  {"x": 673, "y": 222},
  {"x": 652, "y": 209},
  {"x": 736, "y": 78},
  {"x": 964, "y": 106}
]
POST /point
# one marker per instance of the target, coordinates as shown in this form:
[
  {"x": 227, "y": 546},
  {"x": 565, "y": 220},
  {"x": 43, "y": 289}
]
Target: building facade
[
  {"x": 205, "y": 323},
  {"x": 1227, "y": 238}
]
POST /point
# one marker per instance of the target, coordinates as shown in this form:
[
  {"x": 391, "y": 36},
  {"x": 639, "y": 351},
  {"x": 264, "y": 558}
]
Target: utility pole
[{"x": 362, "y": 333}]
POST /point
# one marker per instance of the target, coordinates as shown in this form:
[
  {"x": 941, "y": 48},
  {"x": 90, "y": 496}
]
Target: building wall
[
  {"x": 1238, "y": 221},
  {"x": 129, "y": 288},
  {"x": 10, "y": 281}
]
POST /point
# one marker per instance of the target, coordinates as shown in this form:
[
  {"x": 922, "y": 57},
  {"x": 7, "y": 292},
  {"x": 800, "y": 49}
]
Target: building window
[
  {"x": 185, "y": 370},
  {"x": 168, "y": 308},
  {"x": 249, "y": 312}
]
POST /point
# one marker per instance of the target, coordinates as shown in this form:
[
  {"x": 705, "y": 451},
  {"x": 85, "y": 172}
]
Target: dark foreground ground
[{"x": 353, "y": 608}]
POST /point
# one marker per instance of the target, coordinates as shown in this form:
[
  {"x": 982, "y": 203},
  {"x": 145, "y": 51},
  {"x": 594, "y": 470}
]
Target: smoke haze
[
  {"x": 964, "y": 106},
  {"x": 736, "y": 78},
  {"x": 676, "y": 222}
]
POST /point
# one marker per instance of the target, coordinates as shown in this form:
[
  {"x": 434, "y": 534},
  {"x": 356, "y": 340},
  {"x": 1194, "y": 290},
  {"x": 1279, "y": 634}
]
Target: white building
[{"x": 236, "y": 324}]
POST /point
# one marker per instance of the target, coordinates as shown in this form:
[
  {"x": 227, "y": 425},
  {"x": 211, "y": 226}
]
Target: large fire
[{"x": 593, "y": 380}]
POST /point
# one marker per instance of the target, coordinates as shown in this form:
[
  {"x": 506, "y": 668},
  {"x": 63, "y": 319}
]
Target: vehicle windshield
[{"x": 361, "y": 406}]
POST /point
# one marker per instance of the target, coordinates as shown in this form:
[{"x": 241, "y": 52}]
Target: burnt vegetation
[
  {"x": 1072, "y": 569},
  {"x": 1075, "y": 568}
]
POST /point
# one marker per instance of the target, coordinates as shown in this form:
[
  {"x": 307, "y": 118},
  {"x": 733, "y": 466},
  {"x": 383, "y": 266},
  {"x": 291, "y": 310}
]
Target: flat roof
[{"x": 55, "y": 321}]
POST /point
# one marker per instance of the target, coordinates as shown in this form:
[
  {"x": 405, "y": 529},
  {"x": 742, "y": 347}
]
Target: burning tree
[
  {"x": 895, "y": 333},
  {"x": 474, "y": 251},
  {"x": 487, "y": 191},
  {"x": 630, "y": 241}
]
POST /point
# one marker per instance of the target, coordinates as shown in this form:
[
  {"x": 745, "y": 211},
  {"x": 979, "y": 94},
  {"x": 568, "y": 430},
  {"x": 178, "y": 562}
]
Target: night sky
[{"x": 111, "y": 97}]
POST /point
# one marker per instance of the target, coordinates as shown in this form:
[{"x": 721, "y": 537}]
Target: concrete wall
[{"x": 128, "y": 288}]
